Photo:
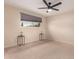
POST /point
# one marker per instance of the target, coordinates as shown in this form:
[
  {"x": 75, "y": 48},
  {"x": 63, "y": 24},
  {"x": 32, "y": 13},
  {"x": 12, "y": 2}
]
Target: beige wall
[
  {"x": 61, "y": 27},
  {"x": 13, "y": 29}
]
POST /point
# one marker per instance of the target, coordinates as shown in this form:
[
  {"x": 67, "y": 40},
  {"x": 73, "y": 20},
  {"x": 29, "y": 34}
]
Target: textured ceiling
[{"x": 33, "y": 5}]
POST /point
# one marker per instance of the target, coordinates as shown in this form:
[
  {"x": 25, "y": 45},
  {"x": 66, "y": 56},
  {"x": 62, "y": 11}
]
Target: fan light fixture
[
  {"x": 49, "y": 6},
  {"x": 49, "y": 10}
]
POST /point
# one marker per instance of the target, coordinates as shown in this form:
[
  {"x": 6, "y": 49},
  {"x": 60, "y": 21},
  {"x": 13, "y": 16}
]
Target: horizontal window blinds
[{"x": 26, "y": 17}]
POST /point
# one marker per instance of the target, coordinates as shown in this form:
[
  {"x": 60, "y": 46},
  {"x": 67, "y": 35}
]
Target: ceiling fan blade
[
  {"x": 55, "y": 9},
  {"x": 43, "y": 8},
  {"x": 56, "y": 4},
  {"x": 45, "y": 2}
]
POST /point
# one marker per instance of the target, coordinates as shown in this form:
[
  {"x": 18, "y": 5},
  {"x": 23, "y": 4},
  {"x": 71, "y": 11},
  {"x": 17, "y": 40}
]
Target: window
[
  {"x": 30, "y": 21},
  {"x": 30, "y": 24}
]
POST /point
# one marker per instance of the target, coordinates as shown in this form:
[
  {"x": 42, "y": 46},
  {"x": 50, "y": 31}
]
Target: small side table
[
  {"x": 20, "y": 40},
  {"x": 41, "y": 36}
]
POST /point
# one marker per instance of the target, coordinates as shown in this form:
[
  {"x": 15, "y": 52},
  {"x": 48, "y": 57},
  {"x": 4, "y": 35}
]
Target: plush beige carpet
[{"x": 41, "y": 50}]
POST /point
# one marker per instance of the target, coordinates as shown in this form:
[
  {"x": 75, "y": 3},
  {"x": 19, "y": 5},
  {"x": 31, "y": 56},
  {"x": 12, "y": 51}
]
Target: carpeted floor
[{"x": 41, "y": 50}]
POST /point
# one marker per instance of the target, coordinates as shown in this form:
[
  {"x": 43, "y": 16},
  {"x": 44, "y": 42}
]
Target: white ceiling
[{"x": 33, "y": 5}]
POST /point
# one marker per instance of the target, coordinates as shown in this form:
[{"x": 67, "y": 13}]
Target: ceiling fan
[{"x": 50, "y": 7}]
